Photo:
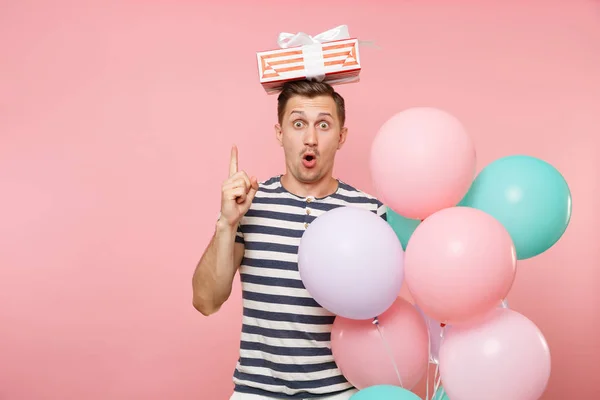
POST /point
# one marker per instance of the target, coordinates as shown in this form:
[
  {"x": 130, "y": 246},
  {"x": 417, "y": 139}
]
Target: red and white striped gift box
[{"x": 336, "y": 62}]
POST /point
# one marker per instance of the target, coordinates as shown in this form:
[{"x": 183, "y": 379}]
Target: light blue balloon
[
  {"x": 384, "y": 392},
  {"x": 404, "y": 227},
  {"x": 440, "y": 394},
  {"x": 528, "y": 196}
]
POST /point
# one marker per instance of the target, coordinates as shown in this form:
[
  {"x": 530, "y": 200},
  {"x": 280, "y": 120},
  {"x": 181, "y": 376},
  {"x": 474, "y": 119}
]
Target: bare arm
[{"x": 213, "y": 278}]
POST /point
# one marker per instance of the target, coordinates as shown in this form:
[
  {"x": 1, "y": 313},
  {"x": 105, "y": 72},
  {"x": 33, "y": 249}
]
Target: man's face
[{"x": 310, "y": 134}]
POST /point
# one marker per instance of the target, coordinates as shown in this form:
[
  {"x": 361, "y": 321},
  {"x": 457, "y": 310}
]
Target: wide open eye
[
  {"x": 298, "y": 124},
  {"x": 324, "y": 125}
]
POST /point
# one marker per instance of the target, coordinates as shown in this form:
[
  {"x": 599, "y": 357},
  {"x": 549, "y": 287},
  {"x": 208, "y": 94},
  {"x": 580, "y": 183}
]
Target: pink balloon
[
  {"x": 362, "y": 355},
  {"x": 435, "y": 333},
  {"x": 422, "y": 161},
  {"x": 459, "y": 264},
  {"x": 351, "y": 262},
  {"x": 502, "y": 357}
]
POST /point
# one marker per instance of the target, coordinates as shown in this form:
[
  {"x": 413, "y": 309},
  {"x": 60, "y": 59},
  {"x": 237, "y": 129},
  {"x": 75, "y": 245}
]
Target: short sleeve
[
  {"x": 239, "y": 235},
  {"x": 382, "y": 211}
]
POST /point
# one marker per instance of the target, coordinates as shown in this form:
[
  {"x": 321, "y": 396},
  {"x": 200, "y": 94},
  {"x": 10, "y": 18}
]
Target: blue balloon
[
  {"x": 402, "y": 226},
  {"x": 384, "y": 392},
  {"x": 528, "y": 196}
]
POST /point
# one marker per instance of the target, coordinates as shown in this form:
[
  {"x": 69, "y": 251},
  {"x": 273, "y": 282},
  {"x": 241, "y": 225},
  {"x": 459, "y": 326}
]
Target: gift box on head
[{"x": 331, "y": 56}]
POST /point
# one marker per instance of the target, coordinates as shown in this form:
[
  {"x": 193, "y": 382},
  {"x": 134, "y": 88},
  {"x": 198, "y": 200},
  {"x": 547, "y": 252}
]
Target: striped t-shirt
[{"x": 285, "y": 348}]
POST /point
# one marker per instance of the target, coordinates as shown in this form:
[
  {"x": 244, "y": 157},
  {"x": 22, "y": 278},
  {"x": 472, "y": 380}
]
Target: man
[{"x": 285, "y": 350}]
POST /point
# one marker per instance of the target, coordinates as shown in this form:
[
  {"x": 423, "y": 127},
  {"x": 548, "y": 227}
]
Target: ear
[
  {"x": 343, "y": 134},
  {"x": 279, "y": 134}
]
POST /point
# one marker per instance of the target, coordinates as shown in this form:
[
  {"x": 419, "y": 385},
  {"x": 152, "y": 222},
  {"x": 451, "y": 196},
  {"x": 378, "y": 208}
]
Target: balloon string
[
  {"x": 427, "y": 382},
  {"x": 388, "y": 350},
  {"x": 428, "y": 364},
  {"x": 437, "y": 378}
]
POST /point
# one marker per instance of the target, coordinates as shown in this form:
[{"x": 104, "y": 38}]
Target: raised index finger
[{"x": 233, "y": 163}]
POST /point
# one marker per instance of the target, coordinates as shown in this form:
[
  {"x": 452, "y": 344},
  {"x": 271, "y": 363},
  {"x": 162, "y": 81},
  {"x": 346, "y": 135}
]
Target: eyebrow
[{"x": 322, "y": 114}]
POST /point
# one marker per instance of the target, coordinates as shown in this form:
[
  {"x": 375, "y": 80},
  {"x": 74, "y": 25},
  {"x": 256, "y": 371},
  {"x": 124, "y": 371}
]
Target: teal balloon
[
  {"x": 384, "y": 392},
  {"x": 404, "y": 227},
  {"x": 440, "y": 394},
  {"x": 528, "y": 196}
]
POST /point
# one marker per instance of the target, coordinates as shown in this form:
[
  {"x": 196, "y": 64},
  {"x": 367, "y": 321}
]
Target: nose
[{"x": 311, "y": 137}]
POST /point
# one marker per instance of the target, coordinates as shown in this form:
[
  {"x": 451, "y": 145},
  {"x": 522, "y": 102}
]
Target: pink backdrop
[{"x": 115, "y": 126}]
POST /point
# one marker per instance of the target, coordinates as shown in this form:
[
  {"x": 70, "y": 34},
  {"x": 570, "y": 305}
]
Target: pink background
[{"x": 116, "y": 121}]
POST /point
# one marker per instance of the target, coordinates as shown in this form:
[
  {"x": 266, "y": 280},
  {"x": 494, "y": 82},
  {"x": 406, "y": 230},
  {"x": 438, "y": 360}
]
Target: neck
[{"x": 324, "y": 187}]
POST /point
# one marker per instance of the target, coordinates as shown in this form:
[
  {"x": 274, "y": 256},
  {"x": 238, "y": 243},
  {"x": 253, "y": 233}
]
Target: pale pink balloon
[
  {"x": 361, "y": 353},
  {"x": 435, "y": 333},
  {"x": 422, "y": 160},
  {"x": 503, "y": 357},
  {"x": 459, "y": 264}
]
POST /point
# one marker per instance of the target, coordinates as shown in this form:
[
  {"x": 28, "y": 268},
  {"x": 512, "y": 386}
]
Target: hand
[{"x": 237, "y": 192}]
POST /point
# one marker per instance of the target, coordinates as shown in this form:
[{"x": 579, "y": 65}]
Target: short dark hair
[{"x": 310, "y": 89}]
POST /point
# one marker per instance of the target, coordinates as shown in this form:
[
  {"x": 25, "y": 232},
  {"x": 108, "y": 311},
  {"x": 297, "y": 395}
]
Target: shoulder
[
  {"x": 270, "y": 183},
  {"x": 269, "y": 188},
  {"x": 359, "y": 197},
  {"x": 350, "y": 191},
  {"x": 269, "y": 192}
]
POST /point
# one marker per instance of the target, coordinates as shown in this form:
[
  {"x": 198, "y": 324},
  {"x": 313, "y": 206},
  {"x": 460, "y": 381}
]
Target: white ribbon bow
[{"x": 286, "y": 40}]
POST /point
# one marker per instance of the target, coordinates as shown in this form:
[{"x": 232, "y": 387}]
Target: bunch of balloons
[{"x": 454, "y": 237}]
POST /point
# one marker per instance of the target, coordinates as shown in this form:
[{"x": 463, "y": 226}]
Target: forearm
[{"x": 214, "y": 273}]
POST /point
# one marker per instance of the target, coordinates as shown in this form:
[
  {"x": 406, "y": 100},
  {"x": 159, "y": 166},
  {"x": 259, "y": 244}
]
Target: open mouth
[{"x": 309, "y": 160}]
